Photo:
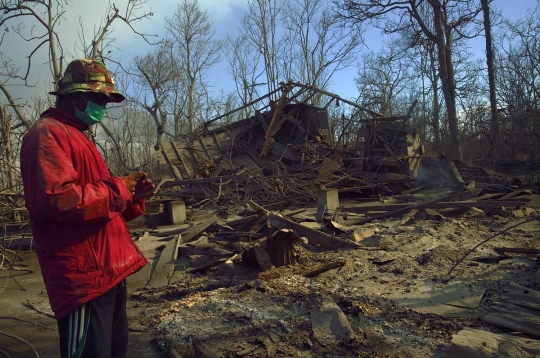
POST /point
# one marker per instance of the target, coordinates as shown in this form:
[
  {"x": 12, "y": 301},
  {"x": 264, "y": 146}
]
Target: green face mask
[{"x": 92, "y": 114}]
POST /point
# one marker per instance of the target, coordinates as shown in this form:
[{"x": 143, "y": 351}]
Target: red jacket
[{"x": 78, "y": 213}]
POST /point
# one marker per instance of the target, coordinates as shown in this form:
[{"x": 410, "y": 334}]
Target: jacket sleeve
[
  {"x": 49, "y": 178},
  {"x": 134, "y": 210}
]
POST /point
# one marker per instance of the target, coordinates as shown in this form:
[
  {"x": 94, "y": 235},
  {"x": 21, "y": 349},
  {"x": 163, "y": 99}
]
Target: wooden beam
[
  {"x": 181, "y": 160},
  {"x": 408, "y": 217},
  {"x": 313, "y": 235},
  {"x": 171, "y": 166},
  {"x": 165, "y": 266},
  {"x": 517, "y": 250},
  {"x": 196, "y": 230},
  {"x": 405, "y": 209},
  {"x": 443, "y": 205},
  {"x": 244, "y": 106},
  {"x": 201, "y": 142}
]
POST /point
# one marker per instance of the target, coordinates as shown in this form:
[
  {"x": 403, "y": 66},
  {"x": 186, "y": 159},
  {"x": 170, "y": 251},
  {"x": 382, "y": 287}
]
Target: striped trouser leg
[{"x": 73, "y": 330}]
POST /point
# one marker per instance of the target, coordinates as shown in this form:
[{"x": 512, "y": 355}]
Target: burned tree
[
  {"x": 446, "y": 22},
  {"x": 194, "y": 49}
]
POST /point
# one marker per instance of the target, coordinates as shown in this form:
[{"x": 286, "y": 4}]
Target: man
[{"x": 78, "y": 213}]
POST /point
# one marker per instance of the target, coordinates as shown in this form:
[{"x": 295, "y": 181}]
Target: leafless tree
[
  {"x": 195, "y": 48},
  {"x": 244, "y": 68},
  {"x": 518, "y": 86},
  {"x": 495, "y": 127},
  {"x": 155, "y": 72},
  {"x": 384, "y": 79},
  {"x": 260, "y": 27},
  {"x": 450, "y": 20},
  {"x": 423, "y": 57},
  {"x": 321, "y": 44}
]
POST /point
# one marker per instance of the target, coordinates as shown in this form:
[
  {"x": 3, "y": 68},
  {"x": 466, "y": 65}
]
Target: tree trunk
[
  {"x": 9, "y": 176},
  {"x": 191, "y": 106},
  {"x": 495, "y": 128},
  {"x": 447, "y": 79},
  {"x": 435, "y": 103}
]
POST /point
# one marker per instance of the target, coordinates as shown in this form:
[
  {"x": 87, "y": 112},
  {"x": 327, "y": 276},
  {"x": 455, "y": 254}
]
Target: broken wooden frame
[{"x": 287, "y": 149}]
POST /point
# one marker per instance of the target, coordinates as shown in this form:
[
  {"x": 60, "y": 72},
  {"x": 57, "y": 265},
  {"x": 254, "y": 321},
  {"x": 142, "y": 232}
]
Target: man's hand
[
  {"x": 144, "y": 188},
  {"x": 132, "y": 179}
]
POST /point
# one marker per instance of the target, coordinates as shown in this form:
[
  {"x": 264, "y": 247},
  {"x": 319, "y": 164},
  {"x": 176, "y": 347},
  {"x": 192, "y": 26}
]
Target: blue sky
[{"x": 225, "y": 15}]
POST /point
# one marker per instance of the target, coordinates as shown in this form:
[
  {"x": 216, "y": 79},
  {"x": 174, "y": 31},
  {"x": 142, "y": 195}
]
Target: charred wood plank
[
  {"x": 408, "y": 217},
  {"x": 206, "y": 266},
  {"x": 517, "y": 250},
  {"x": 165, "y": 266},
  {"x": 196, "y": 230},
  {"x": 393, "y": 208},
  {"x": 312, "y": 234},
  {"x": 405, "y": 209}
]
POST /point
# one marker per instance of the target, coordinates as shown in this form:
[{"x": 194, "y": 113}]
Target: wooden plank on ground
[
  {"x": 434, "y": 214},
  {"x": 313, "y": 235},
  {"x": 196, "y": 230},
  {"x": 517, "y": 250},
  {"x": 441, "y": 205},
  {"x": 165, "y": 266},
  {"x": 405, "y": 209},
  {"x": 513, "y": 321},
  {"x": 408, "y": 217},
  {"x": 206, "y": 266}
]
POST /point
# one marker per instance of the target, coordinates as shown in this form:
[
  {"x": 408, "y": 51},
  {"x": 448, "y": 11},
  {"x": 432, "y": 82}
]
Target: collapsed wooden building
[{"x": 289, "y": 148}]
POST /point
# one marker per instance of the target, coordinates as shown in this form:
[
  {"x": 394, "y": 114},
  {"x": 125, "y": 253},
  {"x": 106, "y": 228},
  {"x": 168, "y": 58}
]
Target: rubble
[{"x": 287, "y": 151}]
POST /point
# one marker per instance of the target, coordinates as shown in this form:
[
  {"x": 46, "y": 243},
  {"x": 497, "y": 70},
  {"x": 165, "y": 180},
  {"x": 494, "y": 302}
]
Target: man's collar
[{"x": 65, "y": 117}]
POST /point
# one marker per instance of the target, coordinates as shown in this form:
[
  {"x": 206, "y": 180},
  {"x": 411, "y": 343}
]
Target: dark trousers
[{"x": 97, "y": 329}]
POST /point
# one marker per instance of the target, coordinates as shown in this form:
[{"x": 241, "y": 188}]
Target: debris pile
[{"x": 288, "y": 149}]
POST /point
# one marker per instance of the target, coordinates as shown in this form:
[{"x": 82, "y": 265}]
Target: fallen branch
[
  {"x": 15, "y": 279},
  {"x": 21, "y": 340},
  {"x": 31, "y": 322},
  {"x": 37, "y": 309},
  {"x": 13, "y": 252},
  {"x": 16, "y": 269},
  {"x": 20, "y": 245},
  {"x": 5, "y": 354},
  {"x": 489, "y": 238}
]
